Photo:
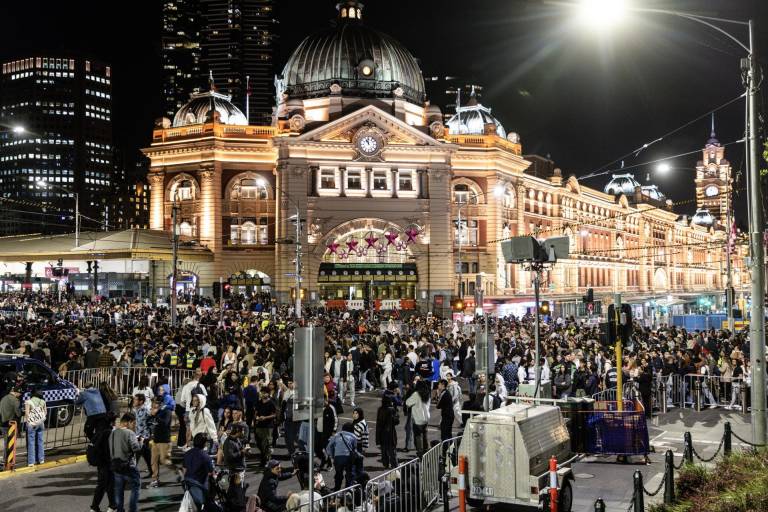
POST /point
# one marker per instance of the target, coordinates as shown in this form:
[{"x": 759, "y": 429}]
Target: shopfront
[{"x": 365, "y": 281}]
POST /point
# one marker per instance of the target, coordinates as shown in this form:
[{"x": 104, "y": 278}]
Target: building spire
[{"x": 712, "y": 133}]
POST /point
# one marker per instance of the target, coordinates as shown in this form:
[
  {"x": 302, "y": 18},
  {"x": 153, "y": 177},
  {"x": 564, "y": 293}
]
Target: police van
[{"x": 59, "y": 394}]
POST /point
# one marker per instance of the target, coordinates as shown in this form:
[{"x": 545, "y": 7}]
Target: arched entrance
[
  {"x": 250, "y": 283},
  {"x": 369, "y": 259},
  {"x": 660, "y": 280}
]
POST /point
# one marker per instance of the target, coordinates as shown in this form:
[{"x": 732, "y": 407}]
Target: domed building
[
  {"x": 397, "y": 209},
  {"x": 474, "y": 119},
  {"x": 200, "y": 105}
]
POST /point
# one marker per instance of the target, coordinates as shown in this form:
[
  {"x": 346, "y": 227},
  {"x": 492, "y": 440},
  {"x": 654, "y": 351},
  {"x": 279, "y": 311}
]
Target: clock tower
[{"x": 713, "y": 179}]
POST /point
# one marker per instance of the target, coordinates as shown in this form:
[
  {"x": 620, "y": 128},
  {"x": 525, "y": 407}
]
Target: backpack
[{"x": 97, "y": 451}]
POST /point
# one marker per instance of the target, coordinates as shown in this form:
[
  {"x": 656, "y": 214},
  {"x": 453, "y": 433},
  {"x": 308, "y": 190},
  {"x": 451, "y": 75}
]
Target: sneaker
[
  {"x": 154, "y": 483},
  {"x": 95, "y": 510},
  {"x": 31, "y": 465},
  {"x": 352, "y": 404}
]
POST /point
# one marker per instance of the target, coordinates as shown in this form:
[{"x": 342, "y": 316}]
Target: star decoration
[
  {"x": 371, "y": 240},
  {"x": 391, "y": 236},
  {"x": 333, "y": 247},
  {"x": 352, "y": 245},
  {"x": 411, "y": 233}
]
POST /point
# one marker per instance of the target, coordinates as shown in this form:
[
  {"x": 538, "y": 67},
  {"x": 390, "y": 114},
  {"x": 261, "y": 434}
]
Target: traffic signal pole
[{"x": 537, "y": 367}]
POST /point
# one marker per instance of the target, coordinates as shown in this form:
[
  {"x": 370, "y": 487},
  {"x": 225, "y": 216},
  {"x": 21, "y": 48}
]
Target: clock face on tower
[
  {"x": 368, "y": 145},
  {"x": 711, "y": 191}
]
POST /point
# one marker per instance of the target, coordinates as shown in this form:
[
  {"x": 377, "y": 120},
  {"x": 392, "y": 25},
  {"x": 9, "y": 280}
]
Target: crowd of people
[{"x": 237, "y": 403}]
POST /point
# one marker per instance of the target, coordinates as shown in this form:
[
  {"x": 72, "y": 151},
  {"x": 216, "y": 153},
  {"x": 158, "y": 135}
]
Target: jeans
[
  {"x": 472, "y": 385},
  {"x": 367, "y": 386},
  {"x": 35, "y": 449},
  {"x": 104, "y": 485},
  {"x": 348, "y": 388},
  {"x": 132, "y": 480},
  {"x": 197, "y": 491},
  {"x": 343, "y": 465}
]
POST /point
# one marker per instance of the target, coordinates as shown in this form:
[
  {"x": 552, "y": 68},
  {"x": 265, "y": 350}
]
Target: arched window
[
  {"x": 184, "y": 191},
  {"x": 352, "y": 12},
  {"x": 185, "y": 229},
  {"x": 508, "y": 199},
  {"x": 252, "y": 189},
  {"x": 462, "y": 193},
  {"x": 343, "y": 12}
]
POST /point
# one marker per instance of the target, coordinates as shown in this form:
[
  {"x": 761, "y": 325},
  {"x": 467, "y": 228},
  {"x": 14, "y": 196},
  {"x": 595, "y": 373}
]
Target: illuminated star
[
  {"x": 352, "y": 245},
  {"x": 333, "y": 246},
  {"x": 411, "y": 233},
  {"x": 391, "y": 237},
  {"x": 371, "y": 240}
]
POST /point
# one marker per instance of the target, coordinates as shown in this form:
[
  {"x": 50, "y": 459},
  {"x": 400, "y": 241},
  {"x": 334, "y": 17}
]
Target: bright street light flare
[
  {"x": 19, "y": 129},
  {"x": 663, "y": 167},
  {"x": 601, "y": 14}
]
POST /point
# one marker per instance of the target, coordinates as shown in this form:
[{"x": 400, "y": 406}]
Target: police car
[{"x": 59, "y": 394}]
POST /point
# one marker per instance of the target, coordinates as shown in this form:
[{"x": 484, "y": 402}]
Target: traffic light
[
  {"x": 544, "y": 308},
  {"x": 589, "y": 297},
  {"x": 619, "y": 324},
  {"x": 227, "y": 290},
  {"x": 457, "y": 305}
]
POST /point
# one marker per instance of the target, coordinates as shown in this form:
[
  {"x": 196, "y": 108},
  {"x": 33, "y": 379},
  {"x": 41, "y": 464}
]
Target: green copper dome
[{"x": 362, "y": 61}]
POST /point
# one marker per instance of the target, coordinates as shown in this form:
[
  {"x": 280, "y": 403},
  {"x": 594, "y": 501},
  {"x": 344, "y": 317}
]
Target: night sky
[{"x": 585, "y": 100}]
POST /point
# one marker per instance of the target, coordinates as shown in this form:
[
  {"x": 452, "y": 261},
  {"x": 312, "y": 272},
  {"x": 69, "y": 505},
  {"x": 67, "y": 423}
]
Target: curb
[{"x": 41, "y": 467}]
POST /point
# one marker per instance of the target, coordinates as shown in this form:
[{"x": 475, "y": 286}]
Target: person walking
[
  {"x": 445, "y": 405},
  {"x": 9, "y": 412},
  {"x": 101, "y": 459},
  {"x": 123, "y": 448},
  {"x": 347, "y": 385},
  {"x": 266, "y": 412},
  {"x": 419, "y": 404},
  {"x": 159, "y": 423},
  {"x": 342, "y": 449},
  {"x": 200, "y": 421},
  {"x": 196, "y": 469},
  {"x": 386, "y": 433},
  {"x": 183, "y": 404}
]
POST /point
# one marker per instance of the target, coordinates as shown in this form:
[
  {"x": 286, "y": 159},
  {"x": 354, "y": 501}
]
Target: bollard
[
  {"x": 638, "y": 492},
  {"x": 10, "y": 456},
  {"x": 727, "y": 439},
  {"x": 688, "y": 450},
  {"x": 462, "y": 484},
  {"x": 553, "y": 484},
  {"x": 669, "y": 475},
  {"x": 446, "y": 486},
  {"x": 599, "y": 505}
]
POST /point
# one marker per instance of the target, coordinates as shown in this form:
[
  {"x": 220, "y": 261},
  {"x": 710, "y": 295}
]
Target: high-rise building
[
  {"x": 65, "y": 149},
  {"x": 237, "y": 38},
  {"x": 230, "y": 40},
  {"x": 180, "y": 42}
]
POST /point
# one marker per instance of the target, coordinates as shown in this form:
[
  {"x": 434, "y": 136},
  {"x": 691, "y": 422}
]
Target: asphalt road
[{"x": 70, "y": 488}]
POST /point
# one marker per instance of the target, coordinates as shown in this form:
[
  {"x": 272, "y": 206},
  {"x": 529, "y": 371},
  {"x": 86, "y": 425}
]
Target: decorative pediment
[{"x": 393, "y": 130}]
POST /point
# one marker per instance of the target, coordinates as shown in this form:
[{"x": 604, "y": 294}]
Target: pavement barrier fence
[
  {"x": 350, "y": 498},
  {"x": 435, "y": 464},
  {"x": 396, "y": 490}
]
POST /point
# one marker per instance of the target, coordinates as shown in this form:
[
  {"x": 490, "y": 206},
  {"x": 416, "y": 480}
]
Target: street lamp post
[{"x": 596, "y": 9}]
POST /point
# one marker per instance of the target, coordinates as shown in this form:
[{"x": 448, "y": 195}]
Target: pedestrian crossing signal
[
  {"x": 544, "y": 308},
  {"x": 457, "y": 305}
]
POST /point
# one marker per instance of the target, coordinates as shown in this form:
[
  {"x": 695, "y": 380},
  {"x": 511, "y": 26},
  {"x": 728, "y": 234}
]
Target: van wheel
[
  {"x": 63, "y": 415},
  {"x": 475, "y": 503},
  {"x": 565, "y": 497}
]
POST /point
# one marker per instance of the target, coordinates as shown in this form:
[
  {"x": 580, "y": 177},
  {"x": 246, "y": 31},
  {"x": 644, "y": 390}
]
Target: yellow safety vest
[
  {"x": 174, "y": 359},
  {"x": 190, "y": 361}
]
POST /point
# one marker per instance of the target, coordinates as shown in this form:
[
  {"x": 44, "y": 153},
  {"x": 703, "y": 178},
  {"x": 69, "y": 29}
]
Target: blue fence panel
[{"x": 698, "y": 322}]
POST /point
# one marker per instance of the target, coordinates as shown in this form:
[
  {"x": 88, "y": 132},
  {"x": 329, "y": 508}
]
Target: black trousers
[
  {"x": 104, "y": 485},
  {"x": 94, "y": 424},
  {"x": 182, "y": 436}
]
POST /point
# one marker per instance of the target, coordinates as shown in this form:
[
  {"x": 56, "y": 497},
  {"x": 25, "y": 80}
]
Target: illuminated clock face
[
  {"x": 711, "y": 191},
  {"x": 368, "y": 145}
]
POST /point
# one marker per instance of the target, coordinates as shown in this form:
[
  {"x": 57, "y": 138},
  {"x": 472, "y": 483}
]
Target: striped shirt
[{"x": 361, "y": 433}]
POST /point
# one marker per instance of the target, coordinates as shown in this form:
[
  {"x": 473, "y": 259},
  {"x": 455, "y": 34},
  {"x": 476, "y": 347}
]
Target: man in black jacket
[
  {"x": 468, "y": 371},
  {"x": 234, "y": 453},
  {"x": 270, "y": 500},
  {"x": 445, "y": 405}
]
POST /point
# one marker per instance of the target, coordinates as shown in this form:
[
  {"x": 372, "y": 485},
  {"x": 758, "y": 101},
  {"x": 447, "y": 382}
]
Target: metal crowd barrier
[
  {"x": 63, "y": 429},
  {"x": 123, "y": 380},
  {"x": 350, "y": 499},
  {"x": 396, "y": 490},
  {"x": 436, "y": 463}
]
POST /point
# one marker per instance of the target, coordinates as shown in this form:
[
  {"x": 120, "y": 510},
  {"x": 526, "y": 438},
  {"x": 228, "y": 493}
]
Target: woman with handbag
[{"x": 34, "y": 416}]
